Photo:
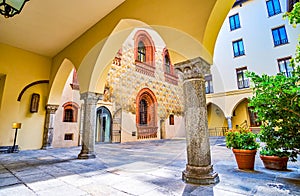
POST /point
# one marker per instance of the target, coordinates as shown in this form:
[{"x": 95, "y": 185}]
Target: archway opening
[
  {"x": 217, "y": 124},
  {"x": 104, "y": 125}
]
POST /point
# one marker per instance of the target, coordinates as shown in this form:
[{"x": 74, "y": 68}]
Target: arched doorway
[
  {"x": 104, "y": 122},
  {"x": 146, "y": 113}
]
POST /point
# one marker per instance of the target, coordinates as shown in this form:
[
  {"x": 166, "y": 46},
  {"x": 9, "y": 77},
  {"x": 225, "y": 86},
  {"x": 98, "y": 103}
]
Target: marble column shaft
[
  {"x": 198, "y": 169},
  {"x": 89, "y": 124},
  {"x": 49, "y": 126},
  {"x": 229, "y": 122}
]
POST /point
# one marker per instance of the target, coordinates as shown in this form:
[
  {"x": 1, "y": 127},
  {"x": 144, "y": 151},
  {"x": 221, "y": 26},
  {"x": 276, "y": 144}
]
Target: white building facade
[{"x": 254, "y": 37}]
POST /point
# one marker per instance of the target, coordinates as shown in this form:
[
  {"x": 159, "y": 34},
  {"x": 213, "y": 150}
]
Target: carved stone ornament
[
  {"x": 193, "y": 68},
  {"x": 51, "y": 109}
]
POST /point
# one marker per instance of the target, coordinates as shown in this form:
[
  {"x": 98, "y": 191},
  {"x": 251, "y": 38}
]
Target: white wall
[{"x": 260, "y": 54}]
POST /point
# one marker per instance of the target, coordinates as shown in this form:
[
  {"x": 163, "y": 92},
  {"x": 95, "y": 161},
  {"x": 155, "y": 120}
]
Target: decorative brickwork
[{"x": 126, "y": 79}]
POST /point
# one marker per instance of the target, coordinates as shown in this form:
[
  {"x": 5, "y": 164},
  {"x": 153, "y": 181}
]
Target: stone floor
[{"x": 145, "y": 168}]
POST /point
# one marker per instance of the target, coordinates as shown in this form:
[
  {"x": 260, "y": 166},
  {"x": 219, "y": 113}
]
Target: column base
[
  {"x": 46, "y": 147},
  {"x": 86, "y": 155},
  {"x": 200, "y": 175}
]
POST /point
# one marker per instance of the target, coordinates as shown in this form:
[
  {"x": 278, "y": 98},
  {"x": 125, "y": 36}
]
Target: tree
[{"x": 276, "y": 101}]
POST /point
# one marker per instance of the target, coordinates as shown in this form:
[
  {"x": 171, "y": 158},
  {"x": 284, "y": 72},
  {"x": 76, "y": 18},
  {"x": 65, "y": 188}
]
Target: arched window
[
  {"x": 144, "y": 53},
  {"x": 141, "y": 52},
  {"x": 167, "y": 64},
  {"x": 143, "y": 112},
  {"x": 170, "y": 75},
  {"x": 70, "y": 112}
]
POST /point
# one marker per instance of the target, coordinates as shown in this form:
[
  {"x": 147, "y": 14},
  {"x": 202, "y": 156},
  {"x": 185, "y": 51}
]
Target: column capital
[
  {"x": 193, "y": 68},
  {"x": 50, "y": 108},
  {"x": 91, "y": 97}
]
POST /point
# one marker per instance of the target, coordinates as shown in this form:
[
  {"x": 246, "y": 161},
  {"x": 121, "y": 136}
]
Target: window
[
  {"x": 141, "y": 52},
  {"x": 167, "y": 64},
  {"x": 146, "y": 114},
  {"x": 68, "y": 117},
  {"x": 144, "y": 49},
  {"x": 169, "y": 72},
  {"x": 273, "y": 7},
  {"x": 290, "y": 4},
  {"x": 171, "y": 119},
  {"x": 75, "y": 83},
  {"x": 279, "y": 36},
  {"x": 69, "y": 136},
  {"x": 208, "y": 84},
  {"x": 238, "y": 48},
  {"x": 234, "y": 22},
  {"x": 242, "y": 80},
  {"x": 284, "y": 66},
  {"x": 253, "y": 118},
  {"x": 70, "y": 112},
  {"x": 143, "y": 112},
  {"x": 144, "y": 53}
]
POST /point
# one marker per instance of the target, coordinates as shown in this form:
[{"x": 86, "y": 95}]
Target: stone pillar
[
  {"x": 163, "y": 129},
  {"x": 198, "y": 169},
  {"x": 49, "y": 126},
  {"x": 89, "y": 124},
  {"x": 229, "y": 122}
]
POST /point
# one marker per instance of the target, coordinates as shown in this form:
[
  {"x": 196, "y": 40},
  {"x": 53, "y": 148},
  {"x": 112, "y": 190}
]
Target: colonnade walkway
[{"x": 140, "y": 168}]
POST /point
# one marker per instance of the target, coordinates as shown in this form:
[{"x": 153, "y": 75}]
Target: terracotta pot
[
  {"x": 245, "y": 158},
  {"x": 274, "y": 162}
]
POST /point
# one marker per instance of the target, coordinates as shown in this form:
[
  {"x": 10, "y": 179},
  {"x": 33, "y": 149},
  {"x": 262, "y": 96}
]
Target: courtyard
[{"x": 136, "y": 168}]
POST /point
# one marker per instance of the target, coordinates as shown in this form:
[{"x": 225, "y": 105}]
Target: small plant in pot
[{"x": 244, "y": 146}]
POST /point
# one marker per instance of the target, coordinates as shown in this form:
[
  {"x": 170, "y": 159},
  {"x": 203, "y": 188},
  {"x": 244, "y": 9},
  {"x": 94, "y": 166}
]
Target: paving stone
[
  {"x": 16, "y": 190},
  {"x": 8, "y": 181},
  {"x": 135, "y": 187},
  {"x": 62, "y": 191},
  {"x": 44, "y": 185},
  {"x": 76, "y": 180},
  {"x": 101, "y": 189},
  {"x": 136, "y": 168}
]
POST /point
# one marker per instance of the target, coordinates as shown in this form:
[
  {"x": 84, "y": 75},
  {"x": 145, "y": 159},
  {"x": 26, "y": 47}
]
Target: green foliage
[
  {"x": 270, "y": 152},
  {"x": 241, "y": 140},
  {"x": 294, "y": 15},
  {"x": 276, "y": 101},
  {"x": 294, "y": 20}
]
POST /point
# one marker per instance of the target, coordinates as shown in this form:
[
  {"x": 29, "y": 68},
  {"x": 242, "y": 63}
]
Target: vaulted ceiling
[{"x": 47, "y": 26}]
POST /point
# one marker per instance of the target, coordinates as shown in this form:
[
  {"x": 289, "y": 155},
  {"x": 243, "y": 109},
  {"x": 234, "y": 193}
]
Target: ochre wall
[
  {"x": 199, "y": 20},
  {"x": 241, "y": 114},
  {"x": 22, "y": 68}
]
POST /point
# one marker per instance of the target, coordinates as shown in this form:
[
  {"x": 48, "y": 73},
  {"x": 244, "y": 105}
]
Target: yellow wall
[
  {"x": 215, "y": 117},
  {"x": 241, "y": 114},
  {"x": 200, "y": 20},
  {"x": 22, "y": 68}
]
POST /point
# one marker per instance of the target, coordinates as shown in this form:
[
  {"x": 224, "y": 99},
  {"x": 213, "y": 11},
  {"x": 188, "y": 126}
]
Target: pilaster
[{"x": 49, "y": 126}]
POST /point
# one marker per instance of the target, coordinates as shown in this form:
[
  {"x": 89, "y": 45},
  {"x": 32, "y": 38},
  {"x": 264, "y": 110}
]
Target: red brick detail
[
  {"x": 147, "y": 67},
  {"x": 169, "y": 77},
  {"x": 150, "y": 129}
]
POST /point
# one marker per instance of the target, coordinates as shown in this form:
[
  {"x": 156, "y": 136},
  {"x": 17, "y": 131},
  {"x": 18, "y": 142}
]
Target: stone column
[
  {"x": 162, "y": 124},
  {"x": 198, "y": 169},
  {"x": 89, "y": 124},
  {"x": 229, "y": 122},
  {"x": 49, "y": 126}
]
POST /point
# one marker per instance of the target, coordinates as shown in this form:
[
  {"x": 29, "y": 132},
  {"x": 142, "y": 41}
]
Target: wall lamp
[{"x": 9, "y": 8}]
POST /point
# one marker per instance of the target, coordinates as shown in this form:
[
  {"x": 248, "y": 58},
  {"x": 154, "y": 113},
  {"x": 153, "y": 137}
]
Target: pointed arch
[{"x": 59, "y": 82}]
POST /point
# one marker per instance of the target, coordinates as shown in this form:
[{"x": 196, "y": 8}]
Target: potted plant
[
  {"x": 276, "y": 101},
  {"x": 244, "y": 146}
]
